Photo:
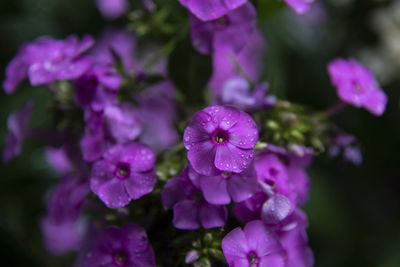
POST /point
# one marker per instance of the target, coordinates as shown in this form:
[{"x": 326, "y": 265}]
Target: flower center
[
  {"x": 120, "y": 258},
  {"x": 222, "y": 22},
  {"x": 220, "y": 136},
  {"x": 253, "y": 259},
  {"x": 122, "y": 171},
  {"x": 197, "y": 197},
  {"x": 226, "y": 174},
  {"x": 273, "y": 172}
]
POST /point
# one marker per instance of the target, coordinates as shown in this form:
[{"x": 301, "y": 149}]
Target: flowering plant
[{"x": 171, "y": 146}]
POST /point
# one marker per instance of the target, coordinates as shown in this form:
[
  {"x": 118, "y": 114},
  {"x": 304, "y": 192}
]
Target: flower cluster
[{"x": 118, "y": 119}]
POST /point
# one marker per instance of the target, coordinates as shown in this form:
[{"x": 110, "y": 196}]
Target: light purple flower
[
  {"x": 347, "y": 145},
  {"x": 113, "y": 45},
  {"x": 300, "y": 6},
  {"x": 125, "y": 173},
  {"x": 157, "y": 115},
  {"x": 189, "y": 206},
  {"x": 17, "y": 125},
  {"x": 62, "y": 228},
  {"x": 227, "y": 64},
  {"x": 293, "y": 237},
  {"x": 93, "y": 143},
  {"x": 236, "y": 26},
  {"x": 210, "y": 9},
  {"x": 220, "y": 188},
  {"x": 46, "y": 60},
  {"x": 254, "y": 246},
  {"x": 58, "y": 159},
  {"x": 120, "y": 247},
  {"x": 112, "y": 9},
  {"x": 220, "y": 138},
  {"x": 237, "y": 92},
  {"x": 98, "y": 87},
  {"x": 356, "y": 85}
]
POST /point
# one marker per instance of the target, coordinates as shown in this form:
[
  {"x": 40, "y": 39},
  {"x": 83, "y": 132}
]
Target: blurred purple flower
[
  {"x": 220, "y": 138},
  {"x": 227, "y": 64},
  {"x": 347, "y": 145},
  {"x": 237, "y": 92},
  {"x": 112, "y": 9},
  {"x": 236, "y": 26},
  {"x": 157, "y": 115},
  {"x": 255, "y": 245},
  {"x": 98, "y": 87},
  {"x": 210, "y": 9},
  {"x": 58, "y": 159},
  {"x": 62, "y": 228},
  {"x": 46, "y": 60},
  {"x": 189, "y": 206},
  {"x": 120, "y": 247},
  {"x": 125, "y": 173},
  {"x": 113, "y": 45},
  {"x": 18, "y": 126},
  {"x": 356, "y": 85},
  {"x": 300, "y": 6},
  {"x": 93, "y": 143},
  {"x": 293, "y": 237},
  {"x": 220, "y": 188}
]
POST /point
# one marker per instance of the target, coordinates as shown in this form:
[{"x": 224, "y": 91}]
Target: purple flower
[
  {"x": 116, "y": 44},
  {"x": 254, "y": 246},
  {"x": 98, "y": 87},
  {"x": 356, "y": 85},
  {"x": 62, "y": 228},
  {"x": 58, "y": 159},
  {"x": 346, "y": 144},
  {"x": 116, "y": 124},
  {"x": 300, "y": 6},
  {"x": 190, "y": 208},
  {"x": 293, "y": 237},
  {"x": 125, "y": 173},
  {"x": 112, "y": 9},
  {"x": 17, "y": 125},
  {"x": 220, "y": 188},
  {"x": 228, "y": 64},
  {"x": 236, "y": 26},
  {"x": 211, "y": 9},
  {"x": 46, "y": 60},
  {"x": 120, "y": 247},
  {"x": 220, "y": 138},
  {"x": 157, "y": 115},
  {"x": 237, "y": 92}
]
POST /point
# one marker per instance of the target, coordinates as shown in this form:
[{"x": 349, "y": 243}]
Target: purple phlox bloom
[
  {"x": 207, "y": 10},
  {"x": 58, "y": 159},
  {"x": 62, "y": 226},
  {"x": 299, "y": 6},
  {"x": 18, "y": 127},
  {"x": 357, "y": 85},
  {"x": 294, "y": 240},
  {"x": 46, "y": 60},
  {"x": 157, "y": 115},
  {"x": 125, "y": 173},
  {"x": 346, "y": 144},
  {"x": 98, "y": 87},
  {"x": 189, "y": 206},
  {"x": 112, "y": 9},
  {"x": 237, "y": 92},
  {"x": 227, "y": 64},
  {"x": 113, "y": 45},
  {"x": 219, "y": 189},
  {"x": 296, "y": 158},
  {"x": 191, "y": 257},
  {"x": 120, "y": 247},
  {"x": 220, "y": 138},
  {"x": 254, "y": 246},
  {"x": 121, "y": 122},
  {"x": 236, "y": 26},
  {"x": 93, "y": 143},
  {"x": 116, "y": 124}
]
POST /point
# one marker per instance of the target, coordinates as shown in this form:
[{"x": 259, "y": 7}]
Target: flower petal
[
  {"x": 214, "y": 189},
  {"x": 140, "y": 183},
  {"x": 201, "y": 156},
  {"x": 185, "y": 215},
  {"x": 212, "y": 216},
  {"x": 244, "y": 133},
  {"x": 233, "y": 159}
]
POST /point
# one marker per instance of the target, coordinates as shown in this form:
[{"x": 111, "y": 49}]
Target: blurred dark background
[{"x": 354, "y": 212}]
